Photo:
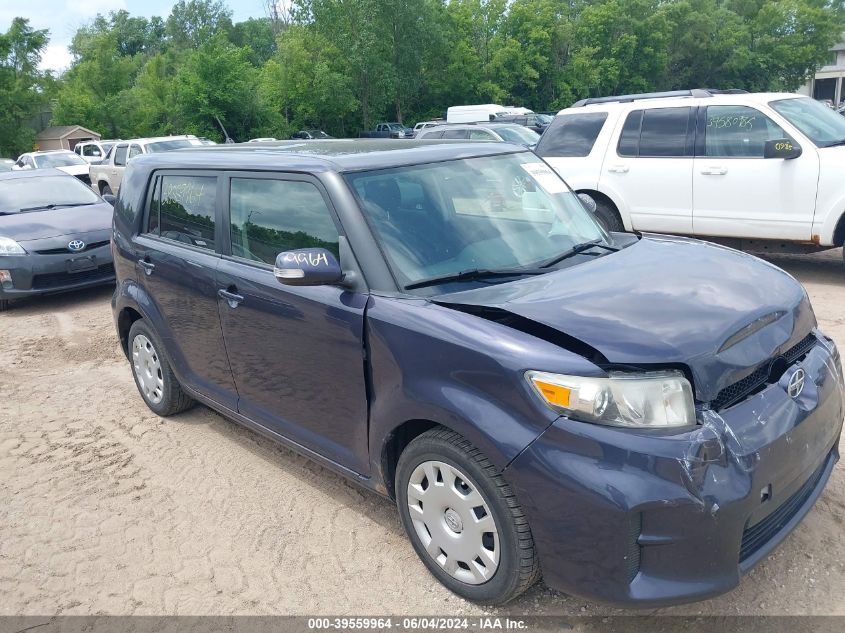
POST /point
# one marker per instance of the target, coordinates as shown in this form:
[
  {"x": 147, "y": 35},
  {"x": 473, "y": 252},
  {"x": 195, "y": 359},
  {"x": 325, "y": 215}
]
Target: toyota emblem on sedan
[
  {"x": 796, "y": 383},
  {"x": 76, "y": 245}
]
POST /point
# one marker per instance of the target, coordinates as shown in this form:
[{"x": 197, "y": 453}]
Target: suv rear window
[
  {"x": 656, "y": 133},
  {"x": 571, "y": 135}
]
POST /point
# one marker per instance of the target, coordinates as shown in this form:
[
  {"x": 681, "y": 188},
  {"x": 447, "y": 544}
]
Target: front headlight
[
  {"x": 646, "y": 400},
  {"x": 9, "y": 246}
]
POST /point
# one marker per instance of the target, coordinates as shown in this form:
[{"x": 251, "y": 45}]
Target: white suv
[{"x": 754, "y": 171}]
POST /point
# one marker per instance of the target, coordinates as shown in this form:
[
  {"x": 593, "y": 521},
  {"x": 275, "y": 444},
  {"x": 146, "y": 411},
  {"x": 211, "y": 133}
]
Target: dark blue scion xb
[{"x": 639, "y": 418}]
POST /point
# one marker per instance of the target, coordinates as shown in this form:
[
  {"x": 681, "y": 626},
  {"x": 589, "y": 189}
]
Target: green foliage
[
  {"x": 344, "y": 65},
  {"x": 21, "y": 85}
]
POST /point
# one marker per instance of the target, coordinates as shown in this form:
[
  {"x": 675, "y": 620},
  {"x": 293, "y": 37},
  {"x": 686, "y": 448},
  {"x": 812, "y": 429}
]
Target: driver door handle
[
  {"x": 231, "y": 298},
  {"x": 714, "y": 171},
  {"x": 618, "y": 169}
]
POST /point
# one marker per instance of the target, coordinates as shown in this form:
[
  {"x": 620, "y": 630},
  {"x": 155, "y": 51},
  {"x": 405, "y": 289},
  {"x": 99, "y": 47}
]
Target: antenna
[{"x": 225, "y": 133}]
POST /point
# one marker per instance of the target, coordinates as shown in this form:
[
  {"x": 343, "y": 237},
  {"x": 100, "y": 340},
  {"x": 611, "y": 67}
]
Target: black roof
[{"x": 341, "y": 155}]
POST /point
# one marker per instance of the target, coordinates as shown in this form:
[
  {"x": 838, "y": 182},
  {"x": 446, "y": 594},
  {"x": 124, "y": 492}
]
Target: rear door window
[
  {"x": 455, "y": 134},
  {"x": 182, "y": 209},
  {"x": 663, "y": 133},
  {"x": 134, "y": 150},
  {"x": 571, "y": 135}
]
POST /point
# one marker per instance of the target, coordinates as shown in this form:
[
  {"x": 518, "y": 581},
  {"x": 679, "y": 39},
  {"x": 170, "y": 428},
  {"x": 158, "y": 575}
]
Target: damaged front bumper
[{"x": 646, "y": 519}]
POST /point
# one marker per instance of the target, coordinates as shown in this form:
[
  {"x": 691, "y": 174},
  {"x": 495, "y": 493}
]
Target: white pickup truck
[
  {"x": 107, "y": 174},
  {"x": 760, "y": 172}
]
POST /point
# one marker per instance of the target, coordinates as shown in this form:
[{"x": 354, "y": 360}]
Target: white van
[{"x": 474, "y": 113}]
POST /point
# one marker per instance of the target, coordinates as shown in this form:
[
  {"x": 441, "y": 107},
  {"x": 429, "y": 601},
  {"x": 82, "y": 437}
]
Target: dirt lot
[{"x": 108, "y": 509}]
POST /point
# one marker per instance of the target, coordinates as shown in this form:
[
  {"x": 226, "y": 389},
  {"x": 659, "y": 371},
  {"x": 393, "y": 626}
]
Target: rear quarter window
[{"x": 571, "y": 135}]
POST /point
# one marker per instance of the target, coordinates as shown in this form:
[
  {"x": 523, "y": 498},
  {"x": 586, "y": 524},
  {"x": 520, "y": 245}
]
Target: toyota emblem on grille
[
  {"x": 76, "y": 245},
  {"x": 796, "y": 383}
]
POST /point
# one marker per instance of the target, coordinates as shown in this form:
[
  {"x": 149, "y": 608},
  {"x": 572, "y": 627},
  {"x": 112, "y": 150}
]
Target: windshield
[
  {"x": 819, "y": 123},
  {"x": 517, "y": 134},
  {"x": 57, "y": 160},
  {"x": 168, "y": 146},
  {"x": 30, "y": 193},
  {"x": 491, "y": 213}
]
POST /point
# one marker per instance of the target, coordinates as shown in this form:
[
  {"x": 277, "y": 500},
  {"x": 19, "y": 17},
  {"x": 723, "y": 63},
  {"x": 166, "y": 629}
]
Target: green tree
[
  {"x": 20, "y": 84},
  {"x": 192, "y": 23}
]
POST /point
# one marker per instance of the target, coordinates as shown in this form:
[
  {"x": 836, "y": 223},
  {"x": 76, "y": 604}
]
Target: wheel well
[
  {"x": 127, "y": 317},
  {"x": 398, "y": 440},
  {"x": 101, "y": 185},
  {"x": 839, "y": 232}
]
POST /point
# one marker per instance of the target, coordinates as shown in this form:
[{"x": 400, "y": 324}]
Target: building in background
[
  {"x": 829, "y": 82},
  {"x": 63, "y": 137}
]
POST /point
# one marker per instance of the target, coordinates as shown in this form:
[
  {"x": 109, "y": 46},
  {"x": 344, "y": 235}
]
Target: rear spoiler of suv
[{"x": 695, "y": 92}]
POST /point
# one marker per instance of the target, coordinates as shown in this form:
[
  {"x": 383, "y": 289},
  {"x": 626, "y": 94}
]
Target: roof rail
[{"x": 695, "y": 92}]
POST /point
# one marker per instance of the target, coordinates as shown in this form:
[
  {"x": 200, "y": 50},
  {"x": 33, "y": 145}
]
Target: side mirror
[
  {"x": 782, "y": 148},
  {"x": 109, "y": 198},
  {"x": 307, "y": 267},
  {"x": 588, "y": 202}
]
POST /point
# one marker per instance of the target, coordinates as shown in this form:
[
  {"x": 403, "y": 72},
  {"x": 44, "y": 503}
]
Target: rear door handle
[
  {"x": 231, "y": 298},
  {"x": 618, "y": 169},
  {"x": 714, "y": 171},
  {"x": 148, "y": 267}
]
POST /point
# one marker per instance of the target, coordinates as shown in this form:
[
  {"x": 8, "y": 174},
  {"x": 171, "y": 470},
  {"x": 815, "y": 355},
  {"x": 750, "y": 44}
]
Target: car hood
[
  {"x": 662, "y": 301},
  {"x": 37, "y": 225}
]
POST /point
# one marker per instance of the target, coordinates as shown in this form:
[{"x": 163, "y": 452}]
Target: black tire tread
[{"x": 529, "y": 562}]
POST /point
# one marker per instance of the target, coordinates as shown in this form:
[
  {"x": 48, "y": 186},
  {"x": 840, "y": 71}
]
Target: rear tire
[
  {"x": 153, "y": 376},
  {"x": 105, "y": 190},
  {"x": 608, "y": 216},
  {"x": 466, "y": 525}
]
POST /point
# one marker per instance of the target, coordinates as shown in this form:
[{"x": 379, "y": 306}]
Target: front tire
[
  {"x": 609, "y": 217},
  {"x": 463, "y": 519},
  {"x": 105, "y": 190},
  {"x": 154, "y": 378}
]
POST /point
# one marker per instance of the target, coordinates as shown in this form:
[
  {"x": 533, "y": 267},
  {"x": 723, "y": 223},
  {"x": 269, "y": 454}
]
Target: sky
[{"x": 64, "y": 17}]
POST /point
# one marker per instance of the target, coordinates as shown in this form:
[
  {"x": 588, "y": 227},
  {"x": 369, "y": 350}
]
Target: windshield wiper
[
  {"x": 472, "y": 275},
  {"x": 47, "y": 207},
  {"x": 575, "y": 250}
]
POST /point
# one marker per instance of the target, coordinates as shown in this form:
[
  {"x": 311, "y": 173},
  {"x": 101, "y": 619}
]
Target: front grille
[
  {"x": 756, "y": 536},
  {"x": 58, "y": 280},
  {"x": 65, "y": 250},
  {"x": 760, "y": 376}
]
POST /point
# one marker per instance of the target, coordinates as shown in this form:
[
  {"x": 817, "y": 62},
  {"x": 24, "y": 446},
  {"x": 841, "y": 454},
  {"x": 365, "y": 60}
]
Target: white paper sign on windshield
[{"x": 545, "y": 177}]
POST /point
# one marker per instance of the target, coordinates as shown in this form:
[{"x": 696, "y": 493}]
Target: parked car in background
[
  {"x": 536, "y": 122},
  {"x": 107, "y": 175},
  {"x": 643, "y": 418},
  {"x": 6, "y": 164},
  {"x": 205, "y": 141},
  {"x": 93, "y": 151},
  {"x": 423, "y": 125},
  {"x": 262, "y": 139},
  {"x": 760, "y": 172},
  {"x": 508, "y": 132},
  {"x": 61, "y": 159},
  {"x": 310, "y": 135},
  {"x": 388, "y": 130},
  {"x": 54, "y": 235}
]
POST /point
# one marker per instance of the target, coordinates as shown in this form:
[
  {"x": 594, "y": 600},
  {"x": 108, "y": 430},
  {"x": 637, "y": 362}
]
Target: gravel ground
[{"x": 107, "y": 509}]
